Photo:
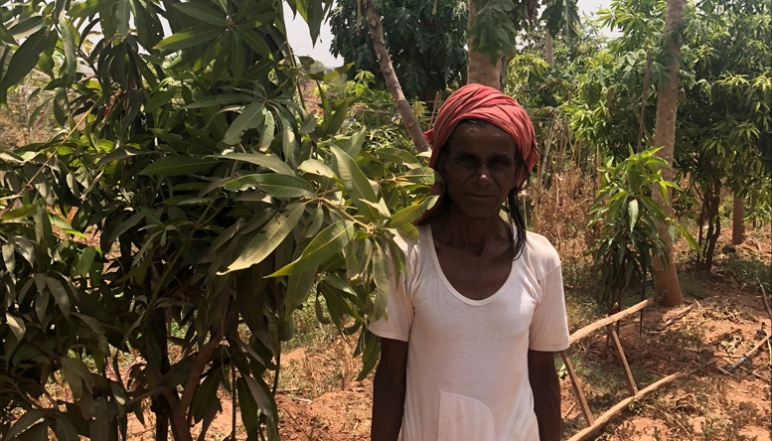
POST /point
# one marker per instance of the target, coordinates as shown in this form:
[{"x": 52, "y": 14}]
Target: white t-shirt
[{"x": 467, "y": 369}]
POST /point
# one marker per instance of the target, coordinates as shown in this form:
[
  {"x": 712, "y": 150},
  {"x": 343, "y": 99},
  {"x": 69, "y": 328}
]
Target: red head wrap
[{"x": 475, "y": 101}]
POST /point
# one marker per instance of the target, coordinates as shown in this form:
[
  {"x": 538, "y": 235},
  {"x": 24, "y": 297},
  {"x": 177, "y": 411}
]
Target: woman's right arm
[{"x": 389, "y": 390}]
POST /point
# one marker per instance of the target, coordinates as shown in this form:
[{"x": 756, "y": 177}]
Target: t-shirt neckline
[{"x": 452, "y": 289}]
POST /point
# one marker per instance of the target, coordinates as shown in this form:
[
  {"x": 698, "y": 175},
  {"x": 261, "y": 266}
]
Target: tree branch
[{"x": 392, "y": 82}]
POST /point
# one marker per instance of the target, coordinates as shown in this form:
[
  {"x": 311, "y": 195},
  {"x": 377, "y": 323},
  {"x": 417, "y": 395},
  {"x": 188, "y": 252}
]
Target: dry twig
[{"x": 675, "y": 317}]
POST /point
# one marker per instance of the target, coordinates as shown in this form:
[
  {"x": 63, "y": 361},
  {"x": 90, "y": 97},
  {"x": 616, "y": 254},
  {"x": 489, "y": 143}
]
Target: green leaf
[
  {"x": 423, "y": 175},
  {"x": 316, "y": 167},
  {"x": 17, "y": 326},
  {"x": 353, "y": 144},
  {"x": 23, "y": 211},
  {"x": 355, "y": 182},
  {"x": 159, "y": 98},
  {"x": 60, "y": 294},
  {"x": 201, "y": 12},
  {"x": 325, "y": 245},
  {"x": 397, "y": 156},
  {"x": 265, "y": 401},
  {"x": 179, "y": 166},
  {"x": 269, "y": 161},
  {"x": 9, "y": 254},
  {"x": 191, "y": 37},
  {"x": 5, "y": 36},
  {"x": 381, "y": 278},
  {"x": 279, "y": 186},
  {"x": 77, "y": 375},
  {"x": 632, "y": 211},
  {"x": 271, "y": 235},
  {"x": 370, "y": 353},
  {"x": 122, "y": 16},
  {"x": 315, "y": 14},
  {"x": 269, "y": 126},
  {"x": 218, "y": 100},
  {"x": 410, "y": 213},
  {"x": 70, "y": 57},
  {"x": 254, "y": 40},
  {"x": 119, "y": 155},
  {"x": 23, "y": 60},
  {"x": 298, "y": 288},
  {"x": 24, "y": 422},
  {"x": 26, "y": 27},
  {"x": 251, "y": 117},
  {"x": 289, "y": 145},
  {"x": 65, "y": 430}
]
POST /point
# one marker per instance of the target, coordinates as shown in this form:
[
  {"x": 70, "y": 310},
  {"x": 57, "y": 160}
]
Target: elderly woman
[{"x": 473, "y": 321}]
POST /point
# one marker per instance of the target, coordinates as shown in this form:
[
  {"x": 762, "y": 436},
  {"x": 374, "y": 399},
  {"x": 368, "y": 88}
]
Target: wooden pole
[
  {"x": 621, "y": 406},
  {"x": 630, "y": 380},
  {"x": 588, "y": 416},
  {"x": 589, "y": 329}
]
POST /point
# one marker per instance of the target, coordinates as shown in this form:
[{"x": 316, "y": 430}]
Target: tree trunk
[
  {"x": 666, "y": 278},
  {"x": 480, "y": 69},
  {"x": 711, "y": 203},
  {"x": 160, "y": 406},
  {"x": 738, "y": 220},
  {"x": 392, "y": 82},
  {"x": 548, "y": 52}
]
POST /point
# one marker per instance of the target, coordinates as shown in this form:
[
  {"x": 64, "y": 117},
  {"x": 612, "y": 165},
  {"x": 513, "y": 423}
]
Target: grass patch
[
  {"x": 318, "y": 359},
  {"x": 310, "y": 333},
  {"x": 749, "y": 272}
]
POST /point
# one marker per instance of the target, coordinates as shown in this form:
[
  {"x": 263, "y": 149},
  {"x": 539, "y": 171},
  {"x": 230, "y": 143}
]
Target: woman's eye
[
  {"x": 501, "y": 164},
  {"x": 466, "y": 161}
]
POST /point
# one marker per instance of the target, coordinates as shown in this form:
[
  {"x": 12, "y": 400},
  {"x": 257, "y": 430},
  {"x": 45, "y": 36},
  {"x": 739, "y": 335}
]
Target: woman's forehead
[{"x": 486, "y": 140}]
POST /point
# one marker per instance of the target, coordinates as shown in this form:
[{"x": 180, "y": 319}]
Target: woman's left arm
[{"x": 546, "y": 393}]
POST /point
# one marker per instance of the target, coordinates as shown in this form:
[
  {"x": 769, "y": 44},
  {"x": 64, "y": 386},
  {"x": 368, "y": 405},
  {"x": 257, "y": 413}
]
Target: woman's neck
[{"x": 476, "y": 235}]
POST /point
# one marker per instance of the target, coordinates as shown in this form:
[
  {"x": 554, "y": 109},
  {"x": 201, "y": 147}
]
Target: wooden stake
[
  {"x": 630, "y": 380},
  {"x": 577, "y": 389}
]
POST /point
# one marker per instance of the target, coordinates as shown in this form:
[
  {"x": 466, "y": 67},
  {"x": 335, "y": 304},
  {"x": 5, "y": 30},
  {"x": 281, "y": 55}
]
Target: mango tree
[{"x": 187, "y": 189}]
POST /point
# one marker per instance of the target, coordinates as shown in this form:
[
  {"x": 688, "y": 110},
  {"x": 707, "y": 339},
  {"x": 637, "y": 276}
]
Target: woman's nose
[{"x": 483, "y": 175}]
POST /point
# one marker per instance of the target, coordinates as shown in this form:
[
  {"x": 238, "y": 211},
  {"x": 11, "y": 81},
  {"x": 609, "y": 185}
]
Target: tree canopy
[{"x": 425, "y": 40}]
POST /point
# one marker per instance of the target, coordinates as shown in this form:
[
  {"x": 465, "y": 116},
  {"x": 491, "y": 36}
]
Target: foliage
[
  {"x": 723, "y": 119},
  {"x": 498, "y": 23},
  {"x": 627, "y": 216},
  {"x": 425, "y": 39},
  {"x": 189, "y": 190}
]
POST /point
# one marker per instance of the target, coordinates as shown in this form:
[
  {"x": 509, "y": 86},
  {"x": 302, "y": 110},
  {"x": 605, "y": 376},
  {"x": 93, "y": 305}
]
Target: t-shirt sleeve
[
  {"x": 549, "y": 326},
  {"x": 396, "y": 323}
]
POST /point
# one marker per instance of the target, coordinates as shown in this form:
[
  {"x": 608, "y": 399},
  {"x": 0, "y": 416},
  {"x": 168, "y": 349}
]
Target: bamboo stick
[
  {"x": 622, "y": 405},
  {"x": 588, "y": 416},
  {"x": 589, "y": 329},
  {"x": 630, "y": 380},
  {"x": 747, "y": 356}
]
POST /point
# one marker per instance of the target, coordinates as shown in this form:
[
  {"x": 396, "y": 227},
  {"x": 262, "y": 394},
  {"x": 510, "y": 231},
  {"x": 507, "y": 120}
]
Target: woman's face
[{"x": 480, "y": 168}]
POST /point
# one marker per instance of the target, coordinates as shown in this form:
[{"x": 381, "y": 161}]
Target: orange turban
[{"x": 475, "y": 101}]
